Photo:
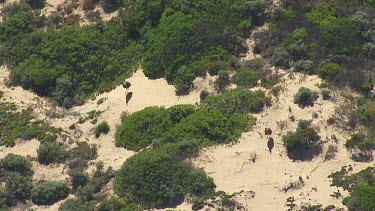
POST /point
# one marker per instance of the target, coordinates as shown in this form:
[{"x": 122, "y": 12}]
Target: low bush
[
  {"x": 303, "y": 144},
  {"x": 305, "y": 66},
  {"x": 238, "y": 100},
  {"x": 245, "y": 78},
  {"x": 49, "y": 192},
  {"x": 328, "y": 71},
  {"x": 78, "y": 177},
  {"x": 51, "y": 152},
  {"x": 17, "y": 188},
  {"x": 223, "y": 80},
  {"x": 17, "y": 163},
  {"x": 210, "y": 127},
  {"x": 203, "y": 94},
  {"x": 305, "y": 97},
  {"x": 84, "y": 151},
  {"x": 326, "y": 94},
  {"x": 77, "y": 204},
  {"x": 103, "y": 127},
  {"x": 139, "y": 129},
  {"x": 111, "y": 204},
  {"x": 158, "y": 178}
]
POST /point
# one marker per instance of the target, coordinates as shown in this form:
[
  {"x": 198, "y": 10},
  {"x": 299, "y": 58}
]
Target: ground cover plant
[{"x": 19, "y": 125}]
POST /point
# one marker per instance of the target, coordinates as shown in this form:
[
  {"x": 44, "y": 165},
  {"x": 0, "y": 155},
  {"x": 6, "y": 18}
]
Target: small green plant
[
  {"x": 100, "y": 101},
  {"x": 1, "y": 94},
  {"x": 203, "y": 94},
  {"x": 17, "y": 188},
  {"x": 78, "y": 177},
  {"x": 305, "y": 97},
  {"x": 103, "y": 127},
  {"x": 326, "y": 94}
]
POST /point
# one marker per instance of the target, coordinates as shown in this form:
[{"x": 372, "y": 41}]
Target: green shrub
[
  {"x": 84, "y": 151},
  {"x": 158, "y": 178},
  {"x": 179, "y": 112},
  {"x": 305, "y": 97},
  {"x": 17, "y": 163},
  {"x": 303, "y": 144},
  {"x": 51, "y": 153},
  {"x": 328, "y": 71},
  {"x": 78, "y": 177},
  {"x": 77, "y": 204},
  {"x": 49, "y": 192},
  {"x": 209, "y": 127},
  {"x": 103, "y": 127},
  {"x": 238, "y": 100},
  {"x": 362, "y": 197},
  {"x": 326, "y": 94},
  {"x": 111, "y": 204},
  {"x": 361, "y": 142},
  {"x": 139, "y": 129},
  {"x": 305, "y": 66},
  {"x": 203, "y": 94},
  {"x": 223, "y": 79},
  {"x": 246, "y": 78},
  {"x": 17, "y": 188},
  {"x": 281, "y": 58}
]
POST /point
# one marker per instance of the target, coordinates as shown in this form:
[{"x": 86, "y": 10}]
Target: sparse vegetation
[{"x": 16, "y": 125}]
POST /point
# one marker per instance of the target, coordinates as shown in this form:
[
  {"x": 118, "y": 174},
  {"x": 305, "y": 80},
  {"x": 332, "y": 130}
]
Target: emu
[{"x": 270, "y": 144}]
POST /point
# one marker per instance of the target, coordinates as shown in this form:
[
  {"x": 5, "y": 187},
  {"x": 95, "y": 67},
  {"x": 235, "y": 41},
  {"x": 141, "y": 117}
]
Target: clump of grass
[{"x": 103, "y": 127}]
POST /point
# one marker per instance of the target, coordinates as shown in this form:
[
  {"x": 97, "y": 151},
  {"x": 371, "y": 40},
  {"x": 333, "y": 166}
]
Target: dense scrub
[
  {"x": 159, "y": 178},
  {"x": 219, "y": 119},
  {"x": 18, "y": 124},
  {"x": 360, "y": 185},
  {"x": 67, "y": 64},
  {"x": 333, "y": 39},
  {"x": 71, "y": 63}
]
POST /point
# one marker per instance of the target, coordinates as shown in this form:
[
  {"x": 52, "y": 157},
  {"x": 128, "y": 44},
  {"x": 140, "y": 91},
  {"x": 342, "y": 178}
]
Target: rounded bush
[
  {"x": 51, "y": 153},
  {"x": 328, "y": 70},
  {"x": 246, "y": 78},
  {"x": 17, "y": 188},
  {"x": 17, "y": 163},
  {"x": 49, "y": 192},
  {"x": 303, "y": 144},
  {"x": 78, "y": 177},
  {"x": 305, "y": 97},
  {"x": 103, "y": 127}
]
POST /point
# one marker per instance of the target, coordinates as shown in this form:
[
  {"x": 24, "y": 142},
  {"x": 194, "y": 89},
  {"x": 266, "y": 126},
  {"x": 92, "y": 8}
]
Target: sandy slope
[{"x": 232, "y": 171}]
